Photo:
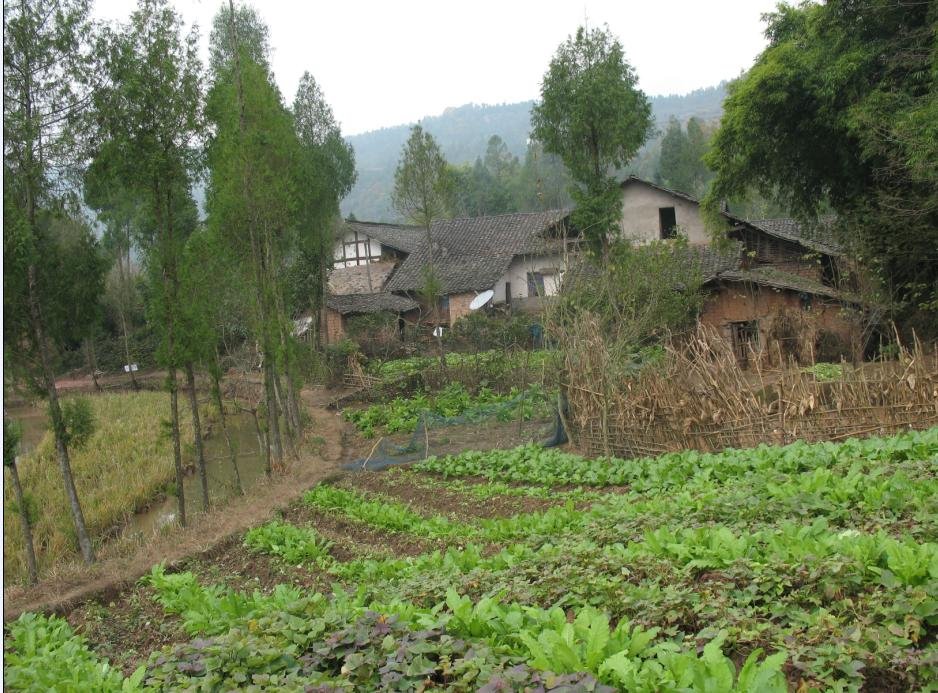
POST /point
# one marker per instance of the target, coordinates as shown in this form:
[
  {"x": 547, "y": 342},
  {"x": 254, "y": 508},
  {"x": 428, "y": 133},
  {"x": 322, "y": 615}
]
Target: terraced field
[{"x": 806, "y": 567}]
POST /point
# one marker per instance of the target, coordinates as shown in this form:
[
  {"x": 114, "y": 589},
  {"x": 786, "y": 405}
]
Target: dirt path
[{"x": 205, "y": 533}]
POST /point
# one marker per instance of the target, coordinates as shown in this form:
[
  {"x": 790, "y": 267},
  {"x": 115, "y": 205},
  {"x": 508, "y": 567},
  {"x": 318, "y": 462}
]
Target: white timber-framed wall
[{"x": 354, "y": 249}]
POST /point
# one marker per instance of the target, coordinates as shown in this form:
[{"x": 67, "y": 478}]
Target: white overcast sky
[{"x": 393, "y": 62}]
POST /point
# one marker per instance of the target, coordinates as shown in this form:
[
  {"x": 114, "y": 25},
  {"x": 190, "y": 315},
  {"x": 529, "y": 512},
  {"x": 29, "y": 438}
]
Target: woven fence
[{"x": 698, "y": 397}]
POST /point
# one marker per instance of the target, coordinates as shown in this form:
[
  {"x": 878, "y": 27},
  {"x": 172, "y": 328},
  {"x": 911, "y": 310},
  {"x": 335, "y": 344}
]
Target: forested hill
[{"x": 463, "y": 133}]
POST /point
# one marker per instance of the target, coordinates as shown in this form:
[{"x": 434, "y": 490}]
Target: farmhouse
[
  {"x": 521, "y": 257},
  {"x": 364, "y": 257},
  {"x": 782, "y": 290},
  {"x": 791, "y": 293}
]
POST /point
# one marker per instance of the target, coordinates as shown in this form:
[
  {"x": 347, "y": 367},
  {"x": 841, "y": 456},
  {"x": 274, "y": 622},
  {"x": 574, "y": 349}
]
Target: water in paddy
[
  {"x": 33, "y": 421},
  {"x": 221, "y": 476},
  {"x": 221, "y": 479}
]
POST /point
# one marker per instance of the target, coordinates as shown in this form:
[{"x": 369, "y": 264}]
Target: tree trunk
[
  {"x": 177, "y": 452},
  {"x": 232, "y": 452},
  {"x": 122, "y": 312},
  {"x": 262, "y": 443},
  {"x": 273, "y": 417},
  {"x": 27, "y": 525},
  {"x": 293, "y": 403},
  {"x": 197, "y": 428},
  {"x": 55, "y": 413},
  {"x": 285, "y": 412},
  {"x": 92, "y": 362},
  {"x": 170, "y": 286}
]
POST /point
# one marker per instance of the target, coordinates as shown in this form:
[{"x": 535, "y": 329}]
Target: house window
[
  {"x": 443, "y": 304},
  {"x": 535, "y": 284},
  {"x": 667, "y": 221},
  {"x": 745, "y": 339}
]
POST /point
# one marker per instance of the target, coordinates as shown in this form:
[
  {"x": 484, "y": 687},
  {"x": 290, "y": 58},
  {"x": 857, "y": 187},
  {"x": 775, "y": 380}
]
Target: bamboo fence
[{"x": 698, "y": 397}]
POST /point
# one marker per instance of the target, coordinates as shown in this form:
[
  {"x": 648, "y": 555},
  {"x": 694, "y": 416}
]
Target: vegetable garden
[{"x": 805, "y": 567}]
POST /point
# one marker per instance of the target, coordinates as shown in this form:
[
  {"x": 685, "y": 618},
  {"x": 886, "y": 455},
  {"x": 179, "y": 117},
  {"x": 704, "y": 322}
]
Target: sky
[{"x": 390, "y": 63}]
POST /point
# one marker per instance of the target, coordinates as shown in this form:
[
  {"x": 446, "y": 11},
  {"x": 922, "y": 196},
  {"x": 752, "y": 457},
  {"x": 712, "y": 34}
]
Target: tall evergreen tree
[
  {"x": 423, "y": 193},
  {"x": 595, "y": 118},
  {"x": 150, "y": 119},
  {"x": 326, "y": 174},
  {"x": 252, "y": 198},
  {"x": 45, "y": 78},
  {"x": 682, "y": 165}
]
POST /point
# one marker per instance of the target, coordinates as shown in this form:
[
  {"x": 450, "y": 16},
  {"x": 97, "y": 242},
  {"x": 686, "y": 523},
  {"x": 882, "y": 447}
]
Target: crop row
[
  {"x": 493, "y": 361},
  {"x": 399, "y": 517},
  {"x": 532, "y": 464},
  {"x": 902, "y": 561},
  {"x": 625, "y": 655},
  {"x": 403, "y": 414}
]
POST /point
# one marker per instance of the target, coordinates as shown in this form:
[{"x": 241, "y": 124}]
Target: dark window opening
[
  {"x": 443, "y": 303},
  {"x": 535, "y": 284},
  {"x": 668, "y": 222},
  {"x": 745, "y": 339},
  {"x": 508, "y": 293},
  {"x": 830, "y": 276}
]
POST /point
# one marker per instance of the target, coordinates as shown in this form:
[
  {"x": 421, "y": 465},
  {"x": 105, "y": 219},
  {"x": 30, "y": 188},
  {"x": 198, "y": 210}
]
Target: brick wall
[
  {"x": 734, "y": 302},
  {"x": 459, "y": 306}
]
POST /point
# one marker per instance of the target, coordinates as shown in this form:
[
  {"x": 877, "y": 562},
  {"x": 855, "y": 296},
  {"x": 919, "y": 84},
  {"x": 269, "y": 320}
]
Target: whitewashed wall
[
  {"x": 551, "y": 266},
  {"x": 640, "y": 221}
]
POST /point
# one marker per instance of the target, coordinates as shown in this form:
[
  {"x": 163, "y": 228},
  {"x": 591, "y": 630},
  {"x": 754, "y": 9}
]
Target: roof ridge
[
  {"x": 506, "y": 214},
  {"x": 382, "y": 223}
]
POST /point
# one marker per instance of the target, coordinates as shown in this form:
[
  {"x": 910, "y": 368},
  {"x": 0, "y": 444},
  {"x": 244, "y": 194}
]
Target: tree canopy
[
  {"x": 593, "y": 116},
  {"x": 841, "y": 110},
  {"x": 421, "y": 182}
]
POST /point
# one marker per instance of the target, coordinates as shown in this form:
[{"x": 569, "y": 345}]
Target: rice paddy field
[
  {"x": 125, "y": 464},
  {"x": 797, "y": 568}
]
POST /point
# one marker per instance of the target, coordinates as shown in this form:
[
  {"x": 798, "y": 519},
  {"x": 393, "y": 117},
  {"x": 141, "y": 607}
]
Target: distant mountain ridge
[{"x": 464, "y": 131}]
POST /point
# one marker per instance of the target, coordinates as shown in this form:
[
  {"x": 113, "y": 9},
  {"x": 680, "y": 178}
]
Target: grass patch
[{"x": 125, "y": 464}]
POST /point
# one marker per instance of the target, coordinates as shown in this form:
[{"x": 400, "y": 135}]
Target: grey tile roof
[
  {"x": 470, "y": 254},
  {"x": 401, "y": 237},
  {"x": 676, "y": 193},
  {"x": 361, "y": 279},
  {"x": 712, "y": 262},
  {"x": 777, "y": 279},
  {"x": 819, "y": 237},
  {"x": 370, "y": 303}
]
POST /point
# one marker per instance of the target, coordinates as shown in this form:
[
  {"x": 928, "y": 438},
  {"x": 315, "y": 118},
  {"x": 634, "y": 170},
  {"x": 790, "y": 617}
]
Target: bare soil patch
[
  {"x": 128, "y": 629},
  {"x": 440, "y": 500},
  {"x": 239, "y": 568}
]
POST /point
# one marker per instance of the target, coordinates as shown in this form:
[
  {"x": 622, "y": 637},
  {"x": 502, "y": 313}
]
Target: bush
[
  {"x": 480, "y": 331},
  {"x": 378, "y": 335}
]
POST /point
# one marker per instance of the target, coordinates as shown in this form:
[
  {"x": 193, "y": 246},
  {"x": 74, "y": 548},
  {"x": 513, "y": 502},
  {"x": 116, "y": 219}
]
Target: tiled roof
[
  {"x": 669, "y": 191},
  {"x": 470, "y": 254},
  {"x": 819, "y": 237},
  {"x": 776, "y": 279},
  {"x": 712, "y": 262},
  {"x": 370, "y": 303},
  {"x": 361, "y": 279},
  {"x": 398, "y": 236}
]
